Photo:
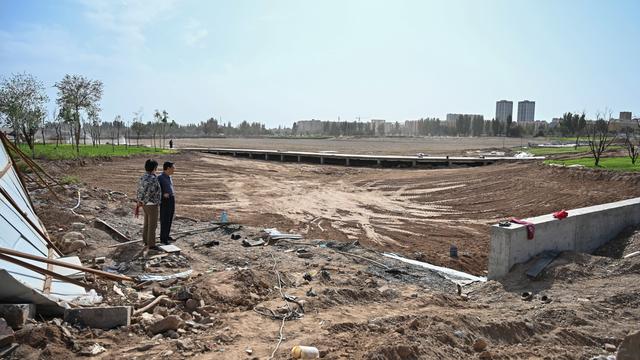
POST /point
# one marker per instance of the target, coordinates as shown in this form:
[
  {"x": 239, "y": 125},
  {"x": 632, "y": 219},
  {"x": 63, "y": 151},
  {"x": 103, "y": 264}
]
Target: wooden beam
[
  {"x": 47, "y": 273},
  {"x": 116, "y": 277}
]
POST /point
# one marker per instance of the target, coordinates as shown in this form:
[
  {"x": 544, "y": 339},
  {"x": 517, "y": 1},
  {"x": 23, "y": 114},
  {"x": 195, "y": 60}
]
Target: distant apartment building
[
  {"x": 526, "y": 110},
  {"x": 411, "y": 128},
  {"x": 504, "y": 109},
  {"x": 378, "y": 126},
  {"x": 625, "y": 116},
  {"x": 309, "y": 127}
]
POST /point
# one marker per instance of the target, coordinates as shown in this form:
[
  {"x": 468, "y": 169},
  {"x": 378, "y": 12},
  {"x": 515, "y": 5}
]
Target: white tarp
[
  {"x": 16, "y": 233},
  {"x": 455, "y": 276}
]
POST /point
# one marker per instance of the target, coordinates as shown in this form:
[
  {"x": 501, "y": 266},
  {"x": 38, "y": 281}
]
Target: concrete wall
[{"x": 584, "y": 230}]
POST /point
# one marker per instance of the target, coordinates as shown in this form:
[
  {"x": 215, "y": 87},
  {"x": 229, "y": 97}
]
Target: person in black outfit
[{"x": 168, "y": 203}]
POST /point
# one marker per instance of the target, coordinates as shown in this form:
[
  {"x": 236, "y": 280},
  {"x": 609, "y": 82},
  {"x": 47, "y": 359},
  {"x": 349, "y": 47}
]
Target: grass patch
[
  {"x": 543, "y": 151},
  {"x": 69, "y": 180},
  {"x": 63, "y": 152},
  {"x": 621, "y": 163}
]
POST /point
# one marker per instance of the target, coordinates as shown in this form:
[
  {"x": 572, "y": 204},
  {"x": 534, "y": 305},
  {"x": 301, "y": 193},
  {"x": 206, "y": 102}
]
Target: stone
[
  {"x": 171, "y": 322},
  {"x": 16, "y": 315},
  {"x": 6, "y": 334},
  {"x": 158, "y": 291},
  {"x": 610, "y": 347},
  {"x": 486, "y": 355},
  {"x": 479, "y": 345},
  {"x": 629, "y": 349},
  {"x": 184, "y": 344},
  {"x": 77, "y": 226},
  {"x": 72, "y": 236},
  {"x": 191, "y": 304},
  {"x": 74, "y": 246},
  {"x": 99, "y": 317},
  {"x": 172, "y": 334}
]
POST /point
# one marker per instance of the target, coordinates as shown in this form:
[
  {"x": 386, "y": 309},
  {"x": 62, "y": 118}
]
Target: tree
[
  {"x": 631, "y": 142},
  {"x": 137, "y": 127},
  {"x": 599, "y": 137},
  {"x": 22, "y": 104},
  {"x": 96, "y": 128},
  {"x": 507, "y": 130},
  {"x": 78, "y": 94},
  {"x": 495, "y": 127},
  {"x": 118, "y": 124}
]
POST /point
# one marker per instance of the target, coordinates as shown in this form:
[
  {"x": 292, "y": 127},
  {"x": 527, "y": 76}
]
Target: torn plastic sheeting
[
  {"x": 275, "y": 234},
  {"x": 456, "y": 276},
  {"x": 149, "y": 277}
]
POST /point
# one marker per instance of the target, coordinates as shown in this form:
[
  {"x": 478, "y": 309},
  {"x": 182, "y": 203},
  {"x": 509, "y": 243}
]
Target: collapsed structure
[{"x": 24, "y": 280}]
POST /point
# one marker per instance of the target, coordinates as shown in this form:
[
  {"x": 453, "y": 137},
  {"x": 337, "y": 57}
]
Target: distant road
[{"x": 372, "y": 146}]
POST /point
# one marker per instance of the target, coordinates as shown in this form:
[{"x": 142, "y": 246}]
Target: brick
[
  {"x": 99, "y": 317},
  {"x": 16, "y": 315}
]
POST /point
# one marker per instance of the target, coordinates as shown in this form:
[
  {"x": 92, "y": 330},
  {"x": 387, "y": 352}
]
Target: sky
[{"x": 279, "y": 61}]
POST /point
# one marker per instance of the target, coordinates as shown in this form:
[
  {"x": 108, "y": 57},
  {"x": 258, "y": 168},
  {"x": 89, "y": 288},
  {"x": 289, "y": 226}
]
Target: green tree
[
  {"x": 77, "y": 94},
  {"x": 22, "y": 104}
]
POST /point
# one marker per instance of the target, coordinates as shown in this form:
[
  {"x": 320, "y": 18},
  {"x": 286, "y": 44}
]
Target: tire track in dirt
[{"x": 401, "y": 210}]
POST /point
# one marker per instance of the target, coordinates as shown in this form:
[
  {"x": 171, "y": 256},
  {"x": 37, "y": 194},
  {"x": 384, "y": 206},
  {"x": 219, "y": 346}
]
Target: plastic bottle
[
  {"x": 223, "y": 217},
  {"x": 305, "y": 352}
]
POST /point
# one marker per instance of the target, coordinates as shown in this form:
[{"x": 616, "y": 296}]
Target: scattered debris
[
  {"x": 251, "y": 243},
  {"x": 93, "y": 350}
]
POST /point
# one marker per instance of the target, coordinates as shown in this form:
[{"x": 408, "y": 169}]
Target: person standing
[
  {"x": 168, "y": 204},
  {"x": 148, "y": 197}
]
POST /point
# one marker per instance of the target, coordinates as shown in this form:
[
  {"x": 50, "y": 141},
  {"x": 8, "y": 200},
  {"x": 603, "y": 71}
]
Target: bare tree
[
  {"x": 22, "y": 102},
  {"x": 598, "y": 135},
  {"x": 77, "y": 93},
  {"x": 631, "y": 143}
]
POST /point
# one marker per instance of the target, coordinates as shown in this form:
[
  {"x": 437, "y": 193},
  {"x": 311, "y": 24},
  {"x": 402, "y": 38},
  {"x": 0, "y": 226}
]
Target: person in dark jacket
[
  {"x": 148, "y": 197},
  {"x": 168, "y": 203}
]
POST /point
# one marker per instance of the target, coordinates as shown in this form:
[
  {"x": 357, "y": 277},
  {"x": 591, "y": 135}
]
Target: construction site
[{"x": 351, "y": 262}]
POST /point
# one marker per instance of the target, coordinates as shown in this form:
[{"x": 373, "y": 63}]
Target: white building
[
  {"x": 504, "y": 109},
  {"x": 526, "y": 110}
]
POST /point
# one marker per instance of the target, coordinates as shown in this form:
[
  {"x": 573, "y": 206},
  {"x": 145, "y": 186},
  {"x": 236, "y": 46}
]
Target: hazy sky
[{"x": 282, "y": 61}]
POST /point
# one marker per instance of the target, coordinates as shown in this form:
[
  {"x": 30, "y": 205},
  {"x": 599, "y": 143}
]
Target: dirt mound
[{"x": 395, "y": 352}]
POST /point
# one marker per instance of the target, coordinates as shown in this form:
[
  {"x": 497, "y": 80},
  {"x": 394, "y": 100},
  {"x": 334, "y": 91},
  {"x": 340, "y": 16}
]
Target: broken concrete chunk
[
  {"x": 93, "y": 350},
  {"x": 6, "y": 334},
  {"x": 17, "y": 314},
  {"x": 77, "y": 226},
  {"x": 99, "y": 317},
  {"x": 629, "y": 349},
  {"x": 249, "y": 243},
  {"x": 170, "y": 322}
]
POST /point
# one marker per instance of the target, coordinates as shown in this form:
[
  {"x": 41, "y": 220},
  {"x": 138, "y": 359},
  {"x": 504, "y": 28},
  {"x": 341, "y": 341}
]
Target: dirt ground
[
  {"x": 350, "y": 301},
  {"x": 385, "y": 146},
  {"x": 413, "y": 212}
]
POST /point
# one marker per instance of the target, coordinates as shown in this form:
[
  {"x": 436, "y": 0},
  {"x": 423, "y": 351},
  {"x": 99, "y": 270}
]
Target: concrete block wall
[{"x": 584, "y": 230}]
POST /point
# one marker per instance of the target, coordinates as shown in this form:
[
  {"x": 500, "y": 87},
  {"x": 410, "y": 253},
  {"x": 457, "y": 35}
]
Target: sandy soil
[
  {"x": 389, "y": 146},
  {"x": 363, "y": 305},
  {"x": 418, "y": 213}
]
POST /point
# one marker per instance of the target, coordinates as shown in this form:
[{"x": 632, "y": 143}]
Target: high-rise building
[
  {"x": 625, "y": 115},
  {"x": 526, "y": 110},
  {"x": 504, "y": 109}
]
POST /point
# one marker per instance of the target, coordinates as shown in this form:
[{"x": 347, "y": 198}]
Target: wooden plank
[{"x": 101, "y": 273}]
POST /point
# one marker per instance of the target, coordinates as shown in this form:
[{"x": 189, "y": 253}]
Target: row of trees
[
  {"x": 23, "y": 108},
  {"x": 23, "y": 103}
]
